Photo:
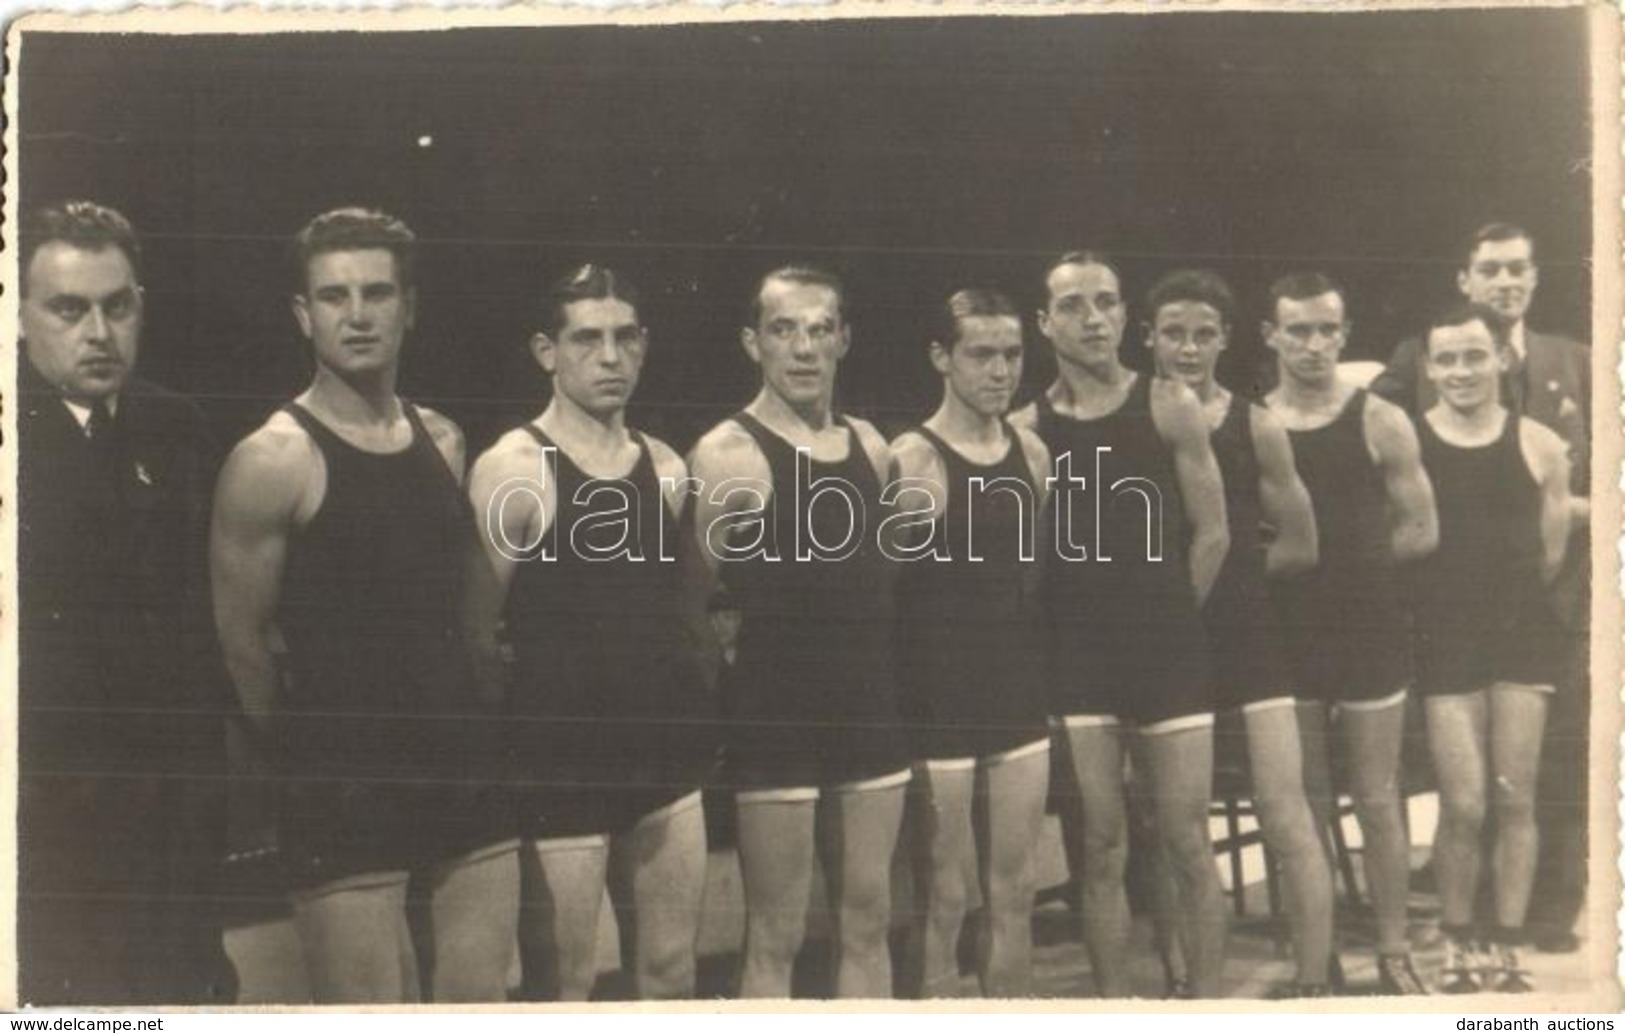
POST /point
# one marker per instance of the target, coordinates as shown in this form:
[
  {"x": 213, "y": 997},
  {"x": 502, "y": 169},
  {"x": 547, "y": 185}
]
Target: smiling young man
[
  {"x": 1489, "y": 647},
  {"x": 970, "y": 654},
  {"x": 340, "y": 539},
  {"x": 788, "y": 522},
  {"x": 580, "y": 519},
  {"x": 1140, "y": 531},
  {"x": 1191, "y": 313},
  {"x": 1547, "y": 377},
  {"x": 1343, "y": 625}
]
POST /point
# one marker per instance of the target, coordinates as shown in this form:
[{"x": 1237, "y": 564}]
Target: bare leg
[
  {"x": 561, "y": 893},
  {"x": 1009, "y": 810},
  {"x": 1373, "y": 737},
  {"x": 1146, "y": 851},
  {"x": 776, "y": 863},
  {"x": 943, "y": 850},
  {"x": 1517, "y": 726},
  {"x": 1315, "y": 740},
  {"x": 357, "y": 945},
  {"x": 1457, "y": 737},
  {"x": 475, "y": 909},
  {"x": 657, "y": 881},
  {"x": 857, "y": 833},
  {"x": 1180, "y": 764},
  {"x": 1276, "y": 758},
  {"x": 1096, "y": 752}
]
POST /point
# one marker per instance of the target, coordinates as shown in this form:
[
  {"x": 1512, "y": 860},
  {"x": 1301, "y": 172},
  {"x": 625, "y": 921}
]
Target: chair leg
[
  {"x": 1345, "y": 862},
  {"x": 1232, "y": 825}
]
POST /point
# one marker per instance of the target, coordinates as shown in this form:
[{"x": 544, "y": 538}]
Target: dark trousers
[{"x": 116, "y": 893}]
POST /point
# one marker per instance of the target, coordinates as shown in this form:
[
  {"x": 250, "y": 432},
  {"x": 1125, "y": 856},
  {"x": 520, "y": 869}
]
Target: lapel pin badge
[{"x": 142, "y": 475}]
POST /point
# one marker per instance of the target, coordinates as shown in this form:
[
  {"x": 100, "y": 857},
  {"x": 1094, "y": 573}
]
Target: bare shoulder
[
  {"x": 1034, "y": 449},
  {"x": 1268, "y": 430},
  {"x": 873, "y": 442},
  {"x": 279, "y": 449},
  {"x": 916, "y": 457},
  {"x": 727, "y": 450},
  {"x": 1543, "y": 449},
  {"x": 1384, "y": 418},
  {"x": 668, "y": 464},
  {"x": 448, "y": 437},
  {"x": 1176, "y": 410},
  {"x": 1025, "y": 418},
  {"x": 514, "y": 454},
  {"x": 272, "y": 468}
]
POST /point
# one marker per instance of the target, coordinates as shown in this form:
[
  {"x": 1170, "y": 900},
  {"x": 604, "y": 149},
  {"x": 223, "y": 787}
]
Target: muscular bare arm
[
  {"x": 513, "y": 498},
  {"x": 1180, "y": 421},
  {"x": 1412, "y": 517},
  {"x": 918, "y": 461},
  {"x": 735, "y": 477},
  {"x": 448, "y": 440},
  {"x": 1284, "y": 499},
  {"x": 1548, "y": 459},
  {"x": 263, "y": 491}
]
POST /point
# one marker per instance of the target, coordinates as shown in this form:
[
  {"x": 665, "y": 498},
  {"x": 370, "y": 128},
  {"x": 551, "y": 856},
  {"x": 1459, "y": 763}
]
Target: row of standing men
[{"x": 503, "y": 688}]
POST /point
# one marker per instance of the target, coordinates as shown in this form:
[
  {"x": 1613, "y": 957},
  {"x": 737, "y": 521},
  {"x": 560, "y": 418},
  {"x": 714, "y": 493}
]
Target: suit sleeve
[{"x": 1397, "y": 381}]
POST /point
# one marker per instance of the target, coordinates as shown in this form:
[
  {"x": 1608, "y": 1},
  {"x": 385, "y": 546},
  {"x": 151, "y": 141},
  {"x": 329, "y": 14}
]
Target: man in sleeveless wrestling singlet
[
  {"x": 1345, "y": 630},
  {"x": 340, "y": 538},
  {"x": 579, "y": 519},
  {"x": 1126, "y": 643},
  {"x": 1489, "y": 642},
  {"x": 970, "y": 654},
  {"x": 788, "y": 519},
  {"x": 1192, "y": 313}
]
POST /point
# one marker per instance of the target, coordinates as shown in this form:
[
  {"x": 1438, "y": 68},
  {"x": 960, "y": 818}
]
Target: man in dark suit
[
  {"x": 1549, "y": 381},
  {"x": 119, "y": 714}
]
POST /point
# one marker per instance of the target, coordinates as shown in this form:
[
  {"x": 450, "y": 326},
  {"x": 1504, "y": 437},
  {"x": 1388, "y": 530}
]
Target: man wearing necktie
[
  {"x": 118, "y": 710},
  {"x": 1548, "y": 380}
]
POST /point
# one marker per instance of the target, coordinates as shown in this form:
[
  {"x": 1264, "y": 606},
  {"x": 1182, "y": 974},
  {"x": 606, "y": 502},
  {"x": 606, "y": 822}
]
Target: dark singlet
[
  {"x": 608, "y": 699},
  {"x": 1481, "y": 602},
  {"x": 970, "y": 656},
  {"x": 368, "y": 610},
  {"x": 1243, "y": 639},
  {"x": 1128, "y": 626},
  {"x": 816, "y": 703},
  {"x": 1345, "y": 630}
]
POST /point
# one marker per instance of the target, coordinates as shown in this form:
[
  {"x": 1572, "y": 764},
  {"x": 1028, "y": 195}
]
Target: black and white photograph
[{"x": 1041, "y": 503}]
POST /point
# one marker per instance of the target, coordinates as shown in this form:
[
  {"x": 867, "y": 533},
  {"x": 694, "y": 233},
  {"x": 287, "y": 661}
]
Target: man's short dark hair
[
  {"x": 966, "y": 304},
  {"x": 1302, "y": 287},
  {"x": 82, "y": 224},
  {"x": 1494, "y": 233},
  {"x": 355, "y": 229},
  {"x": 806, "y": 276},
  {"x": 1202, "y": 286},
  {"x": 1085, "y": 256},
  {"x": 584, "y": 283},
  {"x": 1460, "y": 313}
]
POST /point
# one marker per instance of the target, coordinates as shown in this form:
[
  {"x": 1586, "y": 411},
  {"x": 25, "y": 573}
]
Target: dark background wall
[{"x": 914, "y": 156}]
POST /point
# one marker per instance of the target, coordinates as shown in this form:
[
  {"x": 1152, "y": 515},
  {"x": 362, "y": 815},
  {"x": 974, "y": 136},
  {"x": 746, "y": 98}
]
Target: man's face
[
  {"x": 798, "y": 342},
  {"x": 1186, "y": 339},
  {"x": 983, "y": 367},
  {"x": 1085, "y": 315},
  {"x": 1308, "y": 335},
  {"x": 1465, "y": 364},
  {"x": 81, "y": 319},
  {"x": 596, "y": 356},
  {"x": 1501, "y": 275},
  {"x": 354, "y": 310}
]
